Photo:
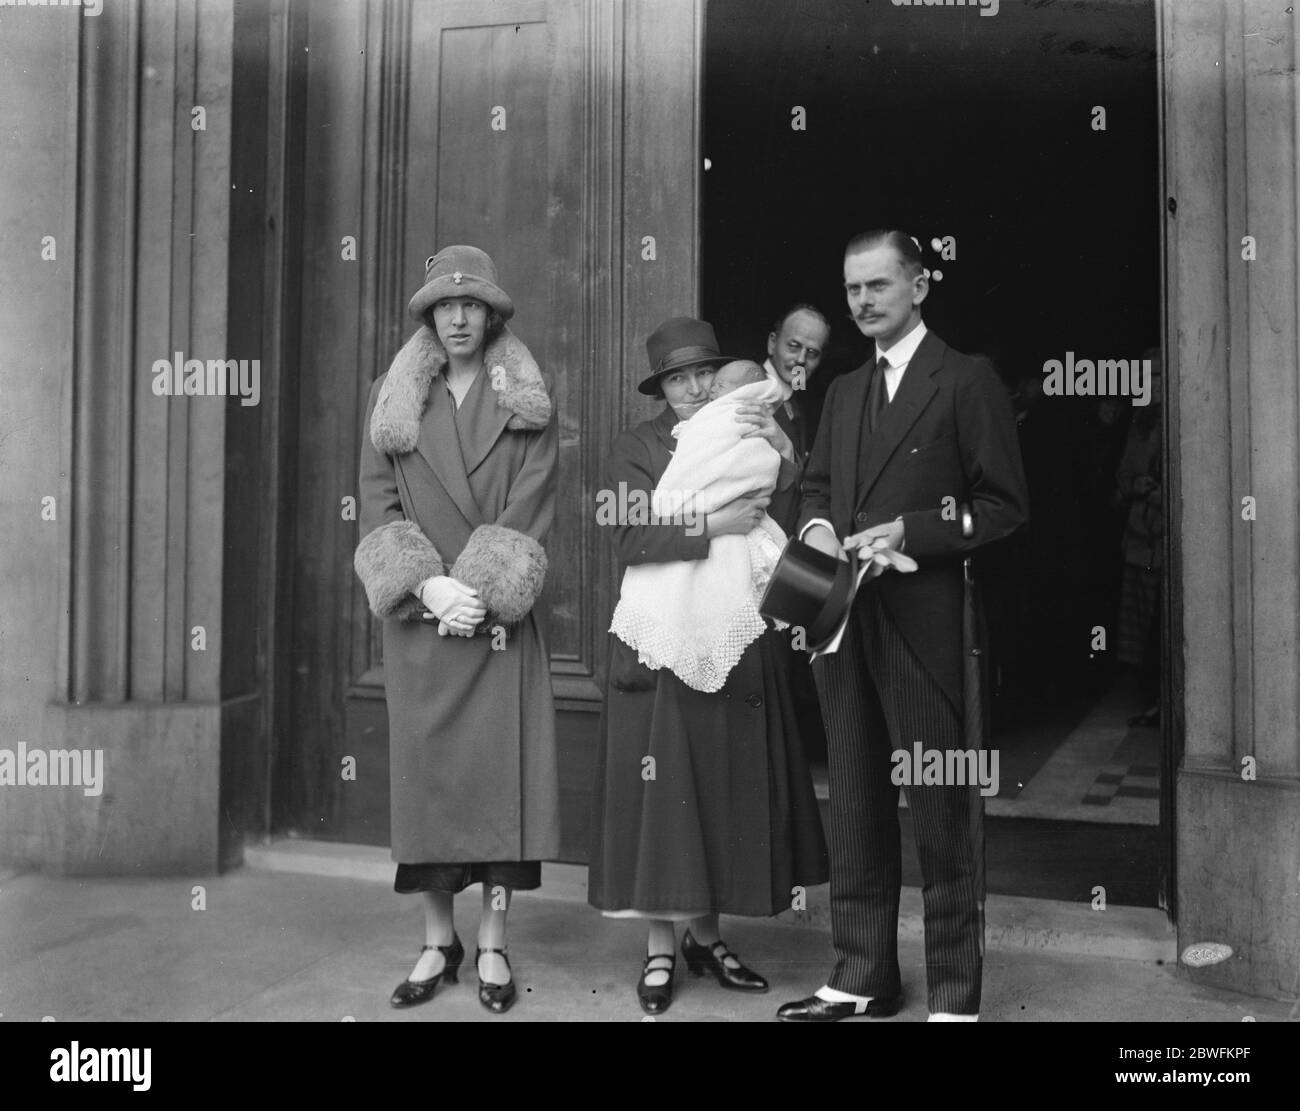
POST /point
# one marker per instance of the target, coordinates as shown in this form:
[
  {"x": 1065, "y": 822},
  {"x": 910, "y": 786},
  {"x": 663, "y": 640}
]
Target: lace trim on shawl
[
  {"x": 702, "y": 661},
  {"x": 703, "y": 664}
]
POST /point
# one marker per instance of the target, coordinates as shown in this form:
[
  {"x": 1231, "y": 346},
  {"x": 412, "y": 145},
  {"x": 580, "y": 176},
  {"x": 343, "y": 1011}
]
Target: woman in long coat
[
  {"x": 458, "y": 473},
  {"x": 723, "y": 818}
]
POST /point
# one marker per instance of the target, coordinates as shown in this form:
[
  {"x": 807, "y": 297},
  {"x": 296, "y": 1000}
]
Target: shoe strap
[
  {"x": 481, "y": 951},
  {"x": 488, "y": 983},
  {"x": 671, "y": 958},
  {"x": 712, "y": 946},
  {"x": 443, "y": 949},
  {"x": 722, "y": 957}
]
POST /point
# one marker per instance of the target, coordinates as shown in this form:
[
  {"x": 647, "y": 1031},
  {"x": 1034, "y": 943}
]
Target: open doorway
[{"x": 1021, "y": 151}]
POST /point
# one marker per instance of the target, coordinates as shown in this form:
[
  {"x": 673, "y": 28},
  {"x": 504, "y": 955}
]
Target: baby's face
[{"x": 732, "y": 376}]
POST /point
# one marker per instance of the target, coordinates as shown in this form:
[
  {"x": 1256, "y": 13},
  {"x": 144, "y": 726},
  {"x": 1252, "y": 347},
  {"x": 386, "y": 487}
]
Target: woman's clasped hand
[
  {"x": 455, "y": 606},
  {"x": 738, "y": 517}
]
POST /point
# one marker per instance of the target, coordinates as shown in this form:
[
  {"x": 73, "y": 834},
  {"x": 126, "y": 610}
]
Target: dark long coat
[
  {"x": 729, "y": 821},
  {"x": 471, "y": 727}
]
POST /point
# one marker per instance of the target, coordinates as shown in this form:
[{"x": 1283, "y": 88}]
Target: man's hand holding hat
[{"x": 880, "y": 547}]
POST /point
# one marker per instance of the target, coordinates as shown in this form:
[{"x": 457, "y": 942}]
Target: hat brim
[
  {"x": 650, "y": 385},
  {"x": 838, "y": 607},
  {"x": 444, "y": 285},
  {"x": 812, "y": 590}
]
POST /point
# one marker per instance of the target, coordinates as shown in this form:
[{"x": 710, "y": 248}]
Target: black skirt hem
[{"x": 451, "y": 879}]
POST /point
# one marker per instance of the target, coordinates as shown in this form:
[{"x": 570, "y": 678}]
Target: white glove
[
  {"x": 451, "y": 601},
  {"x": 877, "y": 559}
]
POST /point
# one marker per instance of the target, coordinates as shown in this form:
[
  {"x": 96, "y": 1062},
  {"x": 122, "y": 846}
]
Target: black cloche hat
[{"x": 678, "y": 343}]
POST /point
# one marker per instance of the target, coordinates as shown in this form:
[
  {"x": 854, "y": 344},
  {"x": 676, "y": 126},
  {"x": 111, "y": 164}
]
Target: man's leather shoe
[{"x": 817, "y": 1009}]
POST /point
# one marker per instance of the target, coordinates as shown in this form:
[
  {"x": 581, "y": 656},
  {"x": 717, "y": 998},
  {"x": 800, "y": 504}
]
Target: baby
[
  {"x": 696, "y": 617},
  {"x": 733, "y": 375}
]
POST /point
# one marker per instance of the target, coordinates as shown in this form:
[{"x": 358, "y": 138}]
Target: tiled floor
[
  {"x": 1077, "y": 805},
  {"x": 1133, "y": 772},
  {"x": 1103, "y": 770},
  {"x": 1097, "y": 768}
]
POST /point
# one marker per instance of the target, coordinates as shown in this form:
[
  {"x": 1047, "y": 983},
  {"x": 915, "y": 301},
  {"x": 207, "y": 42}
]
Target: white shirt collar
[
  {"x": 901, "y": 353},
  {"x": 786, "y": 390}
]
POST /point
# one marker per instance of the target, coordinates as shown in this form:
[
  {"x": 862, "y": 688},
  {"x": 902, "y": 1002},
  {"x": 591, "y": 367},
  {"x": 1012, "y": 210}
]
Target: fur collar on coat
[{"x": 515, "y": 375}]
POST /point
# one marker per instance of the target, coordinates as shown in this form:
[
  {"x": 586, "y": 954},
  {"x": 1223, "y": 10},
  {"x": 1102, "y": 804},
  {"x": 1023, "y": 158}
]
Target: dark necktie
[
  {"x": 796, "y": 427},
  {"x": 879, "y": 395}
]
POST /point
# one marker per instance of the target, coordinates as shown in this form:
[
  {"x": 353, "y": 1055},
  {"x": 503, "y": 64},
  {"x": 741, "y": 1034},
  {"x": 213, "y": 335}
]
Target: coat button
[
  {"x": 861, "y": 518},
  {"x": 755, "y": 700}
]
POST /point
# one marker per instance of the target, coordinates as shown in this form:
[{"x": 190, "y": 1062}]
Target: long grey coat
[{"x": 471, "y": 723}]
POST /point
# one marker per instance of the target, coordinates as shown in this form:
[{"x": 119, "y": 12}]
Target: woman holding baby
[{"x": 703, "y": 801}]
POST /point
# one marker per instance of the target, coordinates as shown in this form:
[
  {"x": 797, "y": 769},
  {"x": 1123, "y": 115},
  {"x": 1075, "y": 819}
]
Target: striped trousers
[{"x": 877, "y": 697}]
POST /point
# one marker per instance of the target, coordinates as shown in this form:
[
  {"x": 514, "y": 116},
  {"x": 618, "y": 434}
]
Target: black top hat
[
  {"x": 677, "y": 343},
  {"x": 813, "y": 590}
]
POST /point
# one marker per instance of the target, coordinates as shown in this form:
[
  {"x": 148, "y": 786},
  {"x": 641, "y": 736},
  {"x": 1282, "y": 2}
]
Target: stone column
[
  {"x": 143, "y": 552},
  {"x": 1230, "y": 95}
]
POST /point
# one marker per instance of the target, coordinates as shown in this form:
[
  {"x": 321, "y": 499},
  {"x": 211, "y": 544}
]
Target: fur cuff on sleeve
[
  {"x": 506, "y": 567},
  {"x": 391, "y": 562}
]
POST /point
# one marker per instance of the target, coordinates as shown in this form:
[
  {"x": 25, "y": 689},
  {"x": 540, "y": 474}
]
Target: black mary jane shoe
[
  {"x": 655, "y": 1000},
  {"x": 713, "y": 958},
  {"x": 497, "y": 998},
  {"x": 410, "y": 993},
  {"x": 817, "y": 1009}
]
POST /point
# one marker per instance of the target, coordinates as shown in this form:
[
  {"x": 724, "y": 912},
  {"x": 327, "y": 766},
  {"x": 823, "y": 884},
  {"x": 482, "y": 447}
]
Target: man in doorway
[
  {"x": 795, "y": 347},
  {"x": 917, "y": 452}
]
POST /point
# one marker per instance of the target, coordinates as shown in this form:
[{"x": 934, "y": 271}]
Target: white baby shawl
[{"x": 697, "y": 617}]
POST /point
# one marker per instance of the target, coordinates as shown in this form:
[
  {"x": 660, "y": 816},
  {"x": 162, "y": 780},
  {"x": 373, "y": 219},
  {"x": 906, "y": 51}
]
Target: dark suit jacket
[
  {"x": 784, "y": 509},
  {"x": 948, "y": 433},
  {"x": 637, "y": 460},
  {"x": 797, "y": 428}
]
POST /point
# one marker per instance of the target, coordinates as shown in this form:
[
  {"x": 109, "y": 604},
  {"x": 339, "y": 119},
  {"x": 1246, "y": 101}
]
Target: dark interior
[{"x": 943, "y": 122}]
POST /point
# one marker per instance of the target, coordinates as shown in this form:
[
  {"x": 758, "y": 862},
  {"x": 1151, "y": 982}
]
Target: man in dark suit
[
  {"x": 795, "y": 347},
  {"x": 916, "y": 452}
]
